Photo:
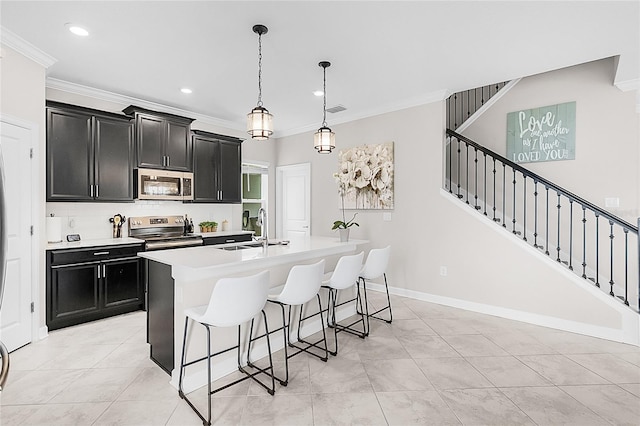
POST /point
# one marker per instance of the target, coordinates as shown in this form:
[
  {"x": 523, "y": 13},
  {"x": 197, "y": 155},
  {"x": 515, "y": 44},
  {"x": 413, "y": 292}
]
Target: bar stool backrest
[
  {"x": 376, "y": 264},
  {"x": 303, "y": 284},
  {"x": 235, "y": 301},
  {"x": 347, "y": 271}
]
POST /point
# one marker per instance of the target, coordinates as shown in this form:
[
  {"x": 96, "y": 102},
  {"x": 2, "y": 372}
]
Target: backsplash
[{"x": 91, "y": 220}]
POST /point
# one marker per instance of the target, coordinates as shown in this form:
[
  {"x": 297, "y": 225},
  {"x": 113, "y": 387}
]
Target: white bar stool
[
  {"x": 234, "y": 301},
  {"x": 376, "y": 267},
  {"x": 302, "y": 285},
  {"x": 344, "y": 276}
]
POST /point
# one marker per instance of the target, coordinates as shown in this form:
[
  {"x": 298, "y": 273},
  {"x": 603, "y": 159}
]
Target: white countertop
[
  {"x": 128, "y": 240},
  {"x": 94, "y": 243},
  {"x": 193, "y": 263}
]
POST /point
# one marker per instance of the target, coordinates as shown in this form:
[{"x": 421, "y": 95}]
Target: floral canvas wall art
[{"x": 365, "y": 176}]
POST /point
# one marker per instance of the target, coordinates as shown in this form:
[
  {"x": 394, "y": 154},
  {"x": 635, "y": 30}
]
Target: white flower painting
[{"x": 365, "y": 176}]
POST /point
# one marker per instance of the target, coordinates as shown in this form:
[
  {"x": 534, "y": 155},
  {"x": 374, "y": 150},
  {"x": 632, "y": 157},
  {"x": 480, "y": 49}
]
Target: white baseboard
[
  {"x": 630, "y": 333},
  {"x": 43, "y": 332}
]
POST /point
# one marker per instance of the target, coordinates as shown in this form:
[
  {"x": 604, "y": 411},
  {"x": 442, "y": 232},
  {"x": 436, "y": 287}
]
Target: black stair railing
[
  {"x": 587, "y": 239},
  {"x": 462, "y": 105}
]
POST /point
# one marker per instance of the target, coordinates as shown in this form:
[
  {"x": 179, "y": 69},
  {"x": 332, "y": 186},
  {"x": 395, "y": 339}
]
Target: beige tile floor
[{"x": 433, "y": 365}]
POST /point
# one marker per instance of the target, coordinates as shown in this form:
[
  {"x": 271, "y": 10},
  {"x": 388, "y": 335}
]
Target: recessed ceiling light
[
  {"x": 186, "y": 90},
  {"x": 318, "y": 93},
  {"x": 77, "y": 30}
]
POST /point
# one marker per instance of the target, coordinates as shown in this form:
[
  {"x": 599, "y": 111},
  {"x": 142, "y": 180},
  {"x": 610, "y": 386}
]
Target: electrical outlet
[
  {"x": 443, "y": 271},
  {"x": 386, "y": 216}
]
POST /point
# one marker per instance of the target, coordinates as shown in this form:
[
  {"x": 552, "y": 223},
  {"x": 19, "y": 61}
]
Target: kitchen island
[{"x": 182, "y": 278}]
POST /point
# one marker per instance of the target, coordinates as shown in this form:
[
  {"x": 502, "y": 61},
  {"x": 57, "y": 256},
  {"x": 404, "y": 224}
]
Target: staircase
[
  {"x": 593, "y": 243},
  {"x": 463, "y": 105}
]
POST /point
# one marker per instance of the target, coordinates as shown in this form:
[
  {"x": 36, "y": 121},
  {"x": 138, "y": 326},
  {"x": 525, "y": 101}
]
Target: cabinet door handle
[
  {"x": 100, "y": 253},
  {"x": 230, "y": 241},
  {"x": 168, "y": 160},
  {"x": 98, "y": 272},
  {"x": 104, "y": 271},
  {"x": 91, "y": 189},
  {"x": 305, "y": 226},
  {"x": 97, "y": 191}
]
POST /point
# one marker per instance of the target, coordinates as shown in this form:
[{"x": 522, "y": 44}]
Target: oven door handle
[{"x": 154, "y": 245}]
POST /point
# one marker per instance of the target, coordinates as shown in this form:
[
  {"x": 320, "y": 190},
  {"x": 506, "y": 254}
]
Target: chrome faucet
[{"x": 262, "y": 221}]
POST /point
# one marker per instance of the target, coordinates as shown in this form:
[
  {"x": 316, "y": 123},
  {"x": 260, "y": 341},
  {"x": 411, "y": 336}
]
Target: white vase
[{"x": 344, "y": 235}]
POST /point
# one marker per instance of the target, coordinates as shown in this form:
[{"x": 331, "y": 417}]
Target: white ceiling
[{"x": 385, "y": 55}]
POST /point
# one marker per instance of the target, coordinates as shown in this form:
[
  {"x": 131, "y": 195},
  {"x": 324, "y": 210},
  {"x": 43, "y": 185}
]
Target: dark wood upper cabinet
[
  {"x": 114, "y": 152},
  {"x": 230, "y": 176},
  {"x": 90, "y": 155},
  {"x": 162, "y": 140},
  {"x": 216, "y": 168}
]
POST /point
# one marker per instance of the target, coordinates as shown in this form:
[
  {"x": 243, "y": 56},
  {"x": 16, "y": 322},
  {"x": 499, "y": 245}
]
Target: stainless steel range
[{"x": 162, "y": 232}]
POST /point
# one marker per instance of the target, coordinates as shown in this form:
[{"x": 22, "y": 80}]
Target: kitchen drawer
[
  {"x": 68, "y": 256},
  {"x": 227, "y": 239}
]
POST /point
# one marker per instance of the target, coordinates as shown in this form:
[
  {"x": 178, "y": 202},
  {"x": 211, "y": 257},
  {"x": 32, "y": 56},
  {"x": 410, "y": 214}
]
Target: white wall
[
  {"x": 607, "y": 133},
  {"x": 427, "y": 229},
  {"x": 22, "y": 96},
  {"x": 487, "y": 270}
]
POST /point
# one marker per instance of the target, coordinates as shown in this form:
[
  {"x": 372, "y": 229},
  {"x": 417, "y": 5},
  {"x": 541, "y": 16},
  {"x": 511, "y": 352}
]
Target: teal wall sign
[{"x": 542, "y": 134}]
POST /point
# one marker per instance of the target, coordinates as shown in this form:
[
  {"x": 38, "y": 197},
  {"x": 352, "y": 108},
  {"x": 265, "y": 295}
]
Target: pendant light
[
  {"x": 324, "y": 140},
  {"x": 259, "y": 120}
]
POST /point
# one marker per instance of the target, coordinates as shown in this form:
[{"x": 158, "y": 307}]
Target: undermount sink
[
  {"x": 234, "y": 248},
  {"x": 252, "y": 244}
]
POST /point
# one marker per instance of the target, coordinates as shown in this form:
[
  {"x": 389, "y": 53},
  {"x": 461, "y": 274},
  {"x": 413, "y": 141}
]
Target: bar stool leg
[
  {"x": 208, "y": 375},
  {"x": 308, "y": 343},
  {"x": 250, "y": 364},
  {"x": 182, "y": 365},
  {"x": 373, "y": 314},
  {"x": 285, "y": 333},
  {"x": 183, "y": 357},
  {"x": 333, "y": 296},
  {"x": 364, "y": 311}
]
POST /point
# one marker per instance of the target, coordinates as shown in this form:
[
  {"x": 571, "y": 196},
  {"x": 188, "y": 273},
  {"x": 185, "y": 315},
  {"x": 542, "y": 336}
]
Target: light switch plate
[
  {"x": 386, "y": 216},
  {"x": 612, "y": 202}
]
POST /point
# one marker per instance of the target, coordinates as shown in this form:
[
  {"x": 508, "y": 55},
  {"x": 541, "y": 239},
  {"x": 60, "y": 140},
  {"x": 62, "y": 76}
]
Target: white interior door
[
  {"x": 15, "y": 314},
  {"x": 294, "y": 200}
]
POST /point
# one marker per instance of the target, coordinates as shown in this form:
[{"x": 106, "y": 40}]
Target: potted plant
[
  {"x": 208, "y": 226},
  {"x": 343, "y": 225}
]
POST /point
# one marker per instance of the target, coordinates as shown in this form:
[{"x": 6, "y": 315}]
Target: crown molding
[
  {"x": 383, "y": 109},
  {"x": 104, "y": 95},
  {"x": 25, "y": 48},
  {"x": 628, "y": 85}
]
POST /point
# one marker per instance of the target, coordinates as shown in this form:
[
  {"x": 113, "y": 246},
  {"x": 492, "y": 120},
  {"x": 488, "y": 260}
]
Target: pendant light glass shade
[
  {"x": 324, "y": 140},
  {"x": 259, "y": 120},
  {"x": 260, "y": 123}
]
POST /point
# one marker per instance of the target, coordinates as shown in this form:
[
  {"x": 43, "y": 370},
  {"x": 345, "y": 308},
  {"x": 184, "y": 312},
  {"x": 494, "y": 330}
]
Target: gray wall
[
  {"x": 488, "y": 270},
  {"x": 607, "y": 135}
]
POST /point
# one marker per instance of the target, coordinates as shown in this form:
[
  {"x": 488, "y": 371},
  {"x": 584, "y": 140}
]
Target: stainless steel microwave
[{"x": 152, "y": 184}]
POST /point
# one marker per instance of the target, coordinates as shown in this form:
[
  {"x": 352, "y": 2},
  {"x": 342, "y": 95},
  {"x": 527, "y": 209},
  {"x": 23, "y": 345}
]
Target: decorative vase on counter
[{"x": 344, "y": 235}]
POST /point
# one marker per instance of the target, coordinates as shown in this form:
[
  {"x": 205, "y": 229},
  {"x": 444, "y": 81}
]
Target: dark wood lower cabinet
[
  {"x": 88, "y": 284},
  {"x": 74, "y": 292},
  {"x": 238, "y": 238},
  {"x": 160, "y": 313}
]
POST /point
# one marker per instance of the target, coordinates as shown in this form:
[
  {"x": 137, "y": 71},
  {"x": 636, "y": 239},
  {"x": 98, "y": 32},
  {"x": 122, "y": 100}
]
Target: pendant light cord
[
  {"x": 259, "y": 70},
  {"x": 324, "y": 89}
]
